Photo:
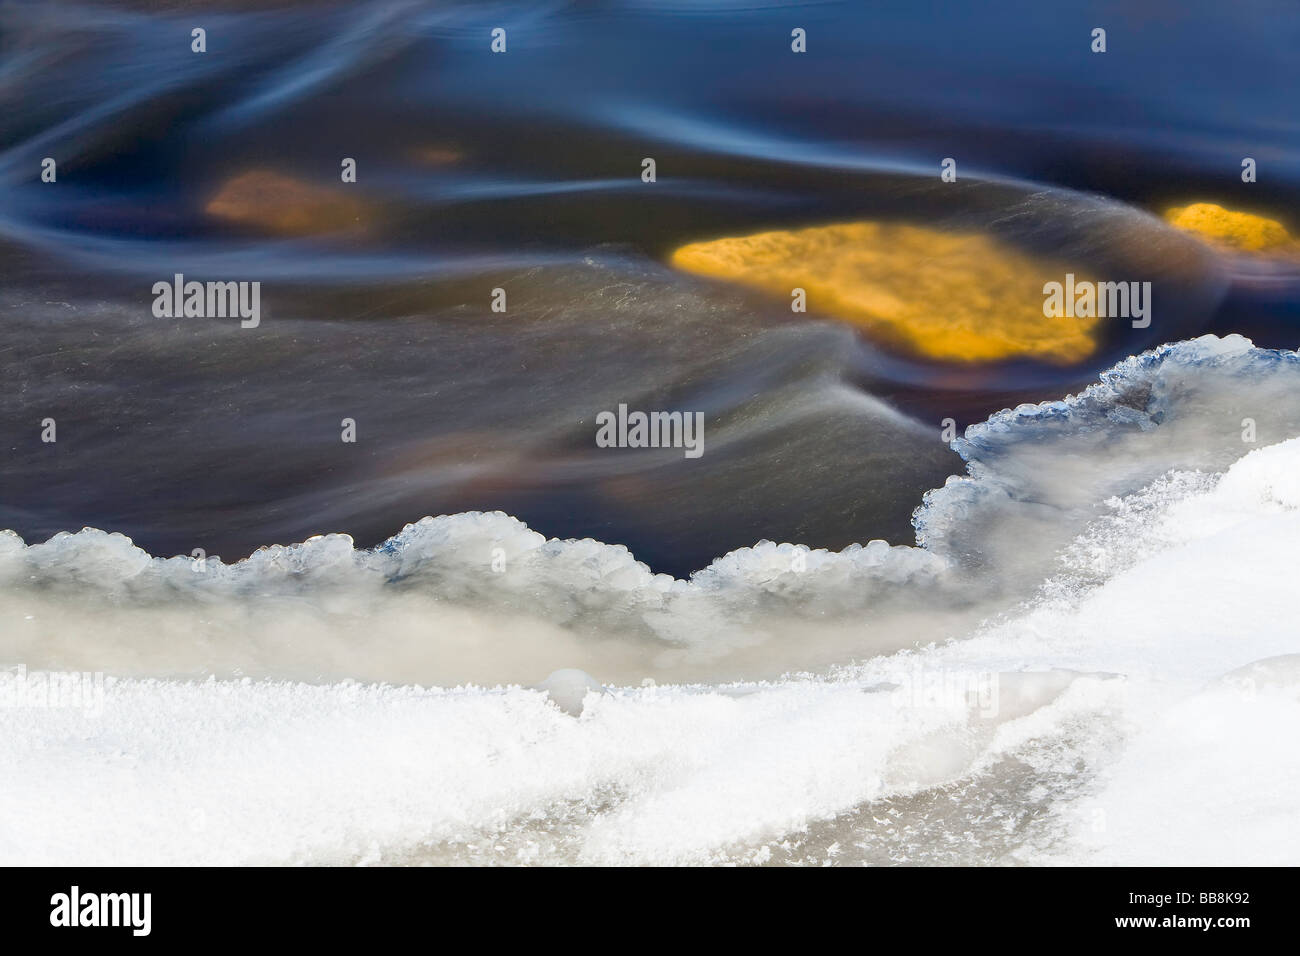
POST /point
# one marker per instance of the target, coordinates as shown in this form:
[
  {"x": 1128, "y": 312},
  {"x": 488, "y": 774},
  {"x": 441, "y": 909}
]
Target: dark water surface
[{"x": 522, "y": 171}]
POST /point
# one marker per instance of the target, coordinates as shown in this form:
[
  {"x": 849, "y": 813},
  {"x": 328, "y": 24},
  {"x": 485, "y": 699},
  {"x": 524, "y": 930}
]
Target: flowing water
[{"x": 1027, "y": 663}]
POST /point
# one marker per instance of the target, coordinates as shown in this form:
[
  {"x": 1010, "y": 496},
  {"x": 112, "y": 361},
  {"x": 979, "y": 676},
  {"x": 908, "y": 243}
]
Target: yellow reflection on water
[
  {"x": 956, "y": 297},
  {"x": 278, "y": 203},
  {"x": 1235, "y": 230}
]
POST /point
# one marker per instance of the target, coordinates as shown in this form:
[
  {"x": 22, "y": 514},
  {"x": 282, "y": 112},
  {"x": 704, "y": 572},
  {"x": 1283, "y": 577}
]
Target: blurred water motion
[{"x": 521, "y": 171}]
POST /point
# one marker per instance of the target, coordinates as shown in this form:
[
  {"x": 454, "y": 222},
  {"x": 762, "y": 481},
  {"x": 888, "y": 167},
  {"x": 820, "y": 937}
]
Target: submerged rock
[
  {"x": 1238, "y": 231},
  {"x": 277, "y": 203},
  {"x": 957, "y": 297}
]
